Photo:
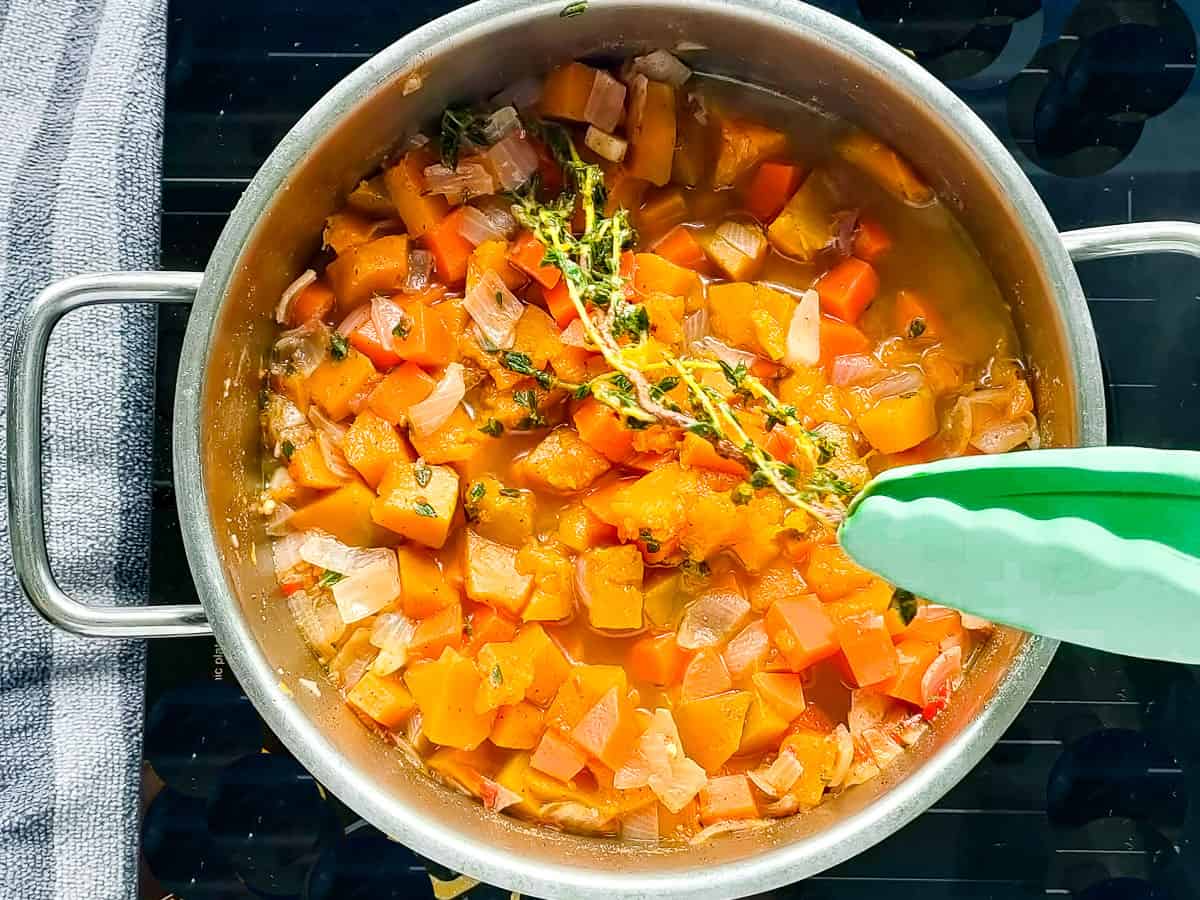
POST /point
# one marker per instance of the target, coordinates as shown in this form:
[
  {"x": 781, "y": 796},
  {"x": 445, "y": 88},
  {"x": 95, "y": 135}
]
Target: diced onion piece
[
  {"x": 304, "y": 347},
  {"x": 416, "y": 141},
  {"x": 513, "y": 160},
  {"x": 318, "y": 620},
  {"x": 576, "y": 816},
  {"x": 844, "y": 756},
  {"x": 420, "y": 267},
  {"x": 1002, "y": 436},
  {"x": 575, "y": 335},
  {"x": 711, "y": 617},
  {"x": 335, "y": 460},
  {"x": 906, "y": 381},
  {"x": 868, "y": 708},
  {"x": 695, "y": 327},
  {"x": 279, "y": 523},
  {"x": 307, "y": 277},
  {"x": 803, "y": 346},
  {"x": 326, "y": 552},
  {"x": 656, "y": 747},
  {"x": 728, "y": 826},
  {"x": 354, "y": 320},
  {"x": 369, "y": 587},
  {"x": 862, "y": 770},
  {"x": 495, "y": 309},
  {"x": 638, "y": 86},
  {"x": 495, "y": 796},
  {"x": 326, "y": 425},
  {"x": 942, "y": 675},
  {"x": 500, "y": 123},
  {"x": 286, "y": 423},
  {"x": 746, "y": 650},
  {"x": 745, "y": 239},
  {"x": 522, "y": 94},
  {"x": 778, "y": 778},
  {"x": 605, "y": 103},
  {"x": 392, "y": 634},
  {"x": 414, "y": 727},
  {"x": 909, "y": 731},
  {"x": 476, "y": 227},
  {"x": 882, "y": 747},
  {"x": 499, "y": 213},
  {"x": 641, "y": 826},
  {"x": 466, "y": 179},
  {"x": 386, "y": 316},
  {"x": 957, "y": 429},
  {"x": 286, "y": 553},
  {"x": 710, "y": 346},
  {"x": 854, "y": 369},
  {"x": 662, "y": 65},
  {"x": 428, "y": 415},
  {"x": 606, "y": 145},
  {"x": 678, "y": 788}
]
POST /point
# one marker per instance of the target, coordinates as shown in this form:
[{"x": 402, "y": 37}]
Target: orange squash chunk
[
  {"x": 445, "y": 692},
  {"x": 518, "y": 726},
  {"x": 336, "y": 382},
  {"x": 382, "y": 697},
  {"x": 711, "y": 728},
  {"x": 417, "y": 501},
  {"x": 376, "y": 267},
  {"x": 423, "y": 587},
  {"x": 308, "y": 468},
  {"x": 802, "y": 631},
  {"x": 405, "y": 183},
  {"x": 550, "y": 667},
  {"x": 346, "y": 514},
  {"x": 372, "y": 444}
]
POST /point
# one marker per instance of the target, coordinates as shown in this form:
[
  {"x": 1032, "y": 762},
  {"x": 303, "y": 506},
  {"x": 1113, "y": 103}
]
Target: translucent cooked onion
[
  {"x": 495, "y": 309},
  {"x": 286, "y": 423},
  {"x": 1002, "y": 436},
  {"x": 906, "y": 381},
  {"x": 676, "y": 790},
  {"x": 373, "y": 584},
  {"x": 909, "y": 731},
  {"x": 746, "y": 650},
  {"x": 844, "y": 756},
  {"x": 575, "y": 335},
  {"x": 695, "y": 327},
  {"x": 744, "y": 238},
  {"x": 429, "y": 415},
  {"x": 778, "y": 778},
  {"x": 495, "y": 796},
  {"x": 576, "y": 816},
  {"x": 851, "y": 369},
  {"x": 420, "y": 267},
  {"x": 476, "y": 227},
  {"x": 325, "y": 425},
  {"x": 641, "y": 826},
  {"x": 606, "y": 145},
  {"x": 355, "y": 320},
  {"x": 285, "y": 553},
  {"x": 278, "y": 524},
  {"x": 975, "y": 623},
  {"x": 656, "y": 747},
  {"x": 882, "y": 747},
  {"x": 499, "y": 214},
  {"x": 730, "y": 826},
  {"x": 318, "y": 621},
  {"x": 711, "y": 617},
  {"x": 392, "y": 634},
  {"x": 662, "y": 65},
  {"x": 307, "y": 277},
  {"x": 956, "y": 430},
  {"x": 861, "y": 770},
  {"x": 335, "y": 460},
  {"x": 868, "y": 708},
  {"x": 467, "y": 179},
  {"x": 386, "y": 316},
  {"x": 803, "y": 346},
  {"x": 942, "y": 675},
  {"x": 605, "y": 102},
  {"x": 326, "y": 552},
  {"x": 304, "y": 347},
  {"x": 513, "y": 160},
  {"x": 502, "y": 122}
]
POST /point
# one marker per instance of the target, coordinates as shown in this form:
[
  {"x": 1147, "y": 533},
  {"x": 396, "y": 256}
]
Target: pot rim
[{"x": 769, "y": 869}]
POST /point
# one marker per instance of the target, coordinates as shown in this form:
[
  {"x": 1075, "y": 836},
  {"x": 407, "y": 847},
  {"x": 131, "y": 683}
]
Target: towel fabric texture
[{"x": 81, "y": 106}]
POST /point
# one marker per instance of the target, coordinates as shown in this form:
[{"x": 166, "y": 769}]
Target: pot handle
[
  {"x": 1132, "y": 239},
  {"x": 25, "y": 517}
]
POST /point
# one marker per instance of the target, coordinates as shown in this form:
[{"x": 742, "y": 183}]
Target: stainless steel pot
[{"x": 785, "y": 46}]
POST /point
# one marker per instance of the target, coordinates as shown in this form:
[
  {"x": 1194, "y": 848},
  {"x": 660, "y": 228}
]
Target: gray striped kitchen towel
[{"x": 81, "y": 96}]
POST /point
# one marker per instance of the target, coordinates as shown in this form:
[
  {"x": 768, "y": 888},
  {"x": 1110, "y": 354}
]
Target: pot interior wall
[{"x": 348, "y": 145}]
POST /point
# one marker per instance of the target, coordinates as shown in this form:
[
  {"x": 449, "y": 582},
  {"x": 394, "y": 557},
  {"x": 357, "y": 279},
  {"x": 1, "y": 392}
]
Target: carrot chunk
[
  {"x": 401, "y": 388},
  {"x": 451, "y": 251},
  {"x": 770, "y": 189},
  {"x": 782, "y": 690},
  {"x": 913, "y": 658},
  {"x": 559, "y": 304},
  {"x": 527, "y": 255},
  {"x": 802, "y": 631},
  {"x": 600, "y": 427},
  {"x": 313, "y": 302},
  {"x": 871, "y": 240},
  {"x": 657, "y": 659},
  {"x": 840, "y": 339},
  {"x": 868, "y": 647},
  {"x": 725, "y": 798},
  {"x": 848, "y": 288},
  {"x": 680, "y": 247}
]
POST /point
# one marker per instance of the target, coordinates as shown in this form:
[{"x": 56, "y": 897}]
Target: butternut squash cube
[
  {"x": 566, "y": 90},
  {"x": 346, "y": 514},
  {"x": 308, "y": 468},
  {"x": 423, "y": 586},
  {"x": 376, "y": 267},
  {"x": 335, "y": 382},
  {"x": 405, "y": 183},
  {"x": 553, "y": 597},
  {"x": 564, "y": 462},
  {"x": 550, "y": 666},
  {"x": 507, "y": 674},
  {"x": 743, "y": 145},
  {"x": 899, "y": 423},
  {"x": 445, "y": 692},
  {"x": 499, "y": 513},
  {"x": 372, "y": 444},
  {"x": 711, "y": 728},
  {"x": 612, "y": 580},
  {"x": 418, "y": 501},
  {"x": 382, "y": 697},
  {"x": 805, "y": 226},
  {"x": 518, "y": 726},
  {"x": 651, "y": 124}
]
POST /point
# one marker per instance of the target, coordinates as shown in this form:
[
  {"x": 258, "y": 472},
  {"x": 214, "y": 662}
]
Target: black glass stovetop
[{"x": 1095, "y": 790}]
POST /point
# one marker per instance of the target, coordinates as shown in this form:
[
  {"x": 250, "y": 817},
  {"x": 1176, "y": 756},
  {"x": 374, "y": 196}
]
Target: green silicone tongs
[{"x": 1097, "y": 546}]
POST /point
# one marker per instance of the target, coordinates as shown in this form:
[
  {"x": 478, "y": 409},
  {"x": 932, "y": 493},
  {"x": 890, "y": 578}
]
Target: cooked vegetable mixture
[{"x": 564, "y": 419}]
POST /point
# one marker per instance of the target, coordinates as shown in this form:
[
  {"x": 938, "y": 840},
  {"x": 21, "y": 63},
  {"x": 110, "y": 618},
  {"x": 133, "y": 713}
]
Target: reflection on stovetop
[{"x": 1093, "y": 790}]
